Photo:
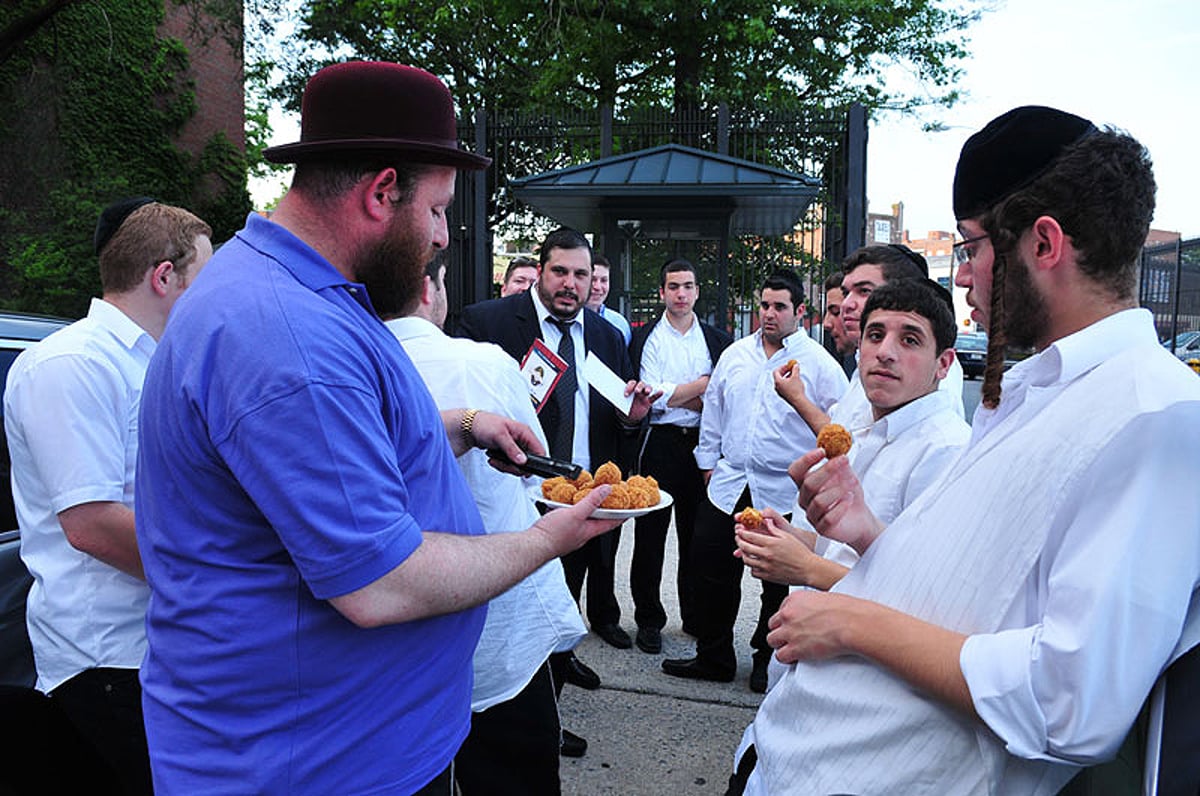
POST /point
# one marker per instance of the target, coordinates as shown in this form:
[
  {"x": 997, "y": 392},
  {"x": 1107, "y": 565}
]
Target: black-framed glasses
[{"x": 963, "y": 255}]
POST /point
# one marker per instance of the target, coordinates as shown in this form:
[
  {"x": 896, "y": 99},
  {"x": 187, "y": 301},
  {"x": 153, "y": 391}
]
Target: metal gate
[{"x": 830, "y": 146}]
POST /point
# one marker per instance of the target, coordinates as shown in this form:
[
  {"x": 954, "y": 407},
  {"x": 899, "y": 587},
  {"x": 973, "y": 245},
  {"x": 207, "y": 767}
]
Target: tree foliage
[
  {"x": 517, "y": 54},
  {"x": 92, "y": 100}
]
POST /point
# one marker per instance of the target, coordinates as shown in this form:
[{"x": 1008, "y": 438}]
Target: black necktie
[{"x": 564, "y": 395}]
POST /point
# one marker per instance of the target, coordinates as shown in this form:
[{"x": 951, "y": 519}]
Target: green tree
[
  {"x": 683, "y": 54},
  {"x": 92, "y": 99}
]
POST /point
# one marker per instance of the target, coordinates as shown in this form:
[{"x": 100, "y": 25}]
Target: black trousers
[
  {"x": 105, "y": 705},
  {"x": 668, "y": 457},
  {"x": 717, "y": 584},
  {"x": 513, "y": 746},
  {"x": 596, "y": 562}
]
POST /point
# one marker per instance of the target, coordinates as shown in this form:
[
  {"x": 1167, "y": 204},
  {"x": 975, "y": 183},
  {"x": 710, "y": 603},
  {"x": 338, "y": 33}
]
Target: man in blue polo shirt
[{"x": 312, "y": 550}]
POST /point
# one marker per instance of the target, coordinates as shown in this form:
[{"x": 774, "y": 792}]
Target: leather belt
[{"x": 683, "y": 431}]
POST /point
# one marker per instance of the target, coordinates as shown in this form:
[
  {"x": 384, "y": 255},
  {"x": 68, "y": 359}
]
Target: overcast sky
[{"x": 1134, "y": 65}]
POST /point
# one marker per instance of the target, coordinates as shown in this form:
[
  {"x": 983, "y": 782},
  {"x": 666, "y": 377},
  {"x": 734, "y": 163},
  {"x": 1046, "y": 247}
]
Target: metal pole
[
  {"x": 481, "y": 239},
  {"x": 856, "y": 178},
  {"x": 1178, "y": 290}
]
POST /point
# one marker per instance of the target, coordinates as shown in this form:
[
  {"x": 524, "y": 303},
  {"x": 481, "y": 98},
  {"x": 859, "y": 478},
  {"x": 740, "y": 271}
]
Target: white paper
[{"x": 607, "y": 383}]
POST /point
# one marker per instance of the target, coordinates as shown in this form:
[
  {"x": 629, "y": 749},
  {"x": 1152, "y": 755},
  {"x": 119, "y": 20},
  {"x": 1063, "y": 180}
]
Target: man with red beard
[
  {"x": 314, "y": 555},
  {"x": 1006, "y": 628}
]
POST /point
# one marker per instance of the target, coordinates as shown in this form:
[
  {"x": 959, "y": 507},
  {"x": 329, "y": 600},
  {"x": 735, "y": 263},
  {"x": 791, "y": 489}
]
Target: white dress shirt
[
  {"x": 71, "y": 415},
  {"x": 617, "y": 320},
  {"x": 1065, "y": 542},
  {"x": 748, "y": 434},
  {"x": 671, "y": 358},
  {"x": 581, "y": 453},
  {"x": 538, "y": 615},
  {"x": 896, "y": 459}
]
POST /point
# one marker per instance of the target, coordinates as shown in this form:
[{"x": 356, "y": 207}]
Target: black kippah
[
  {"x": 113, "y": 216},
  {"x": 916, "y": 258},
  {"x": 1009, "y": 153}
]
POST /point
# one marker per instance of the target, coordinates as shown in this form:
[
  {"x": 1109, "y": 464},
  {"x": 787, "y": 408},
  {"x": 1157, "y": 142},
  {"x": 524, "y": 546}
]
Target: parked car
[
  {"x": 18, "y": 331},
  {"x": 972, "y": 353},
  {"x": 1187, "y": 345},
  {"x": 1182, "y": 339}
]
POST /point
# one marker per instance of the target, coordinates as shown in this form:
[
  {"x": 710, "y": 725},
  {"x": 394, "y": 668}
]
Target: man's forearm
[
  {"x": 450, "y": 572},
  {"x": 106, "y": 531},
  {"x": 447, "y": 573},
  {"x": 686, "y": 392},
  {"x": 923, "y": 654},
  {"x": 812, "y": 414}
]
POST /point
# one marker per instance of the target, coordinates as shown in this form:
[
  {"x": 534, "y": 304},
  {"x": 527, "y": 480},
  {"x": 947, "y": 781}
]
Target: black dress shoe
[
  {"x": 695, "y": 669},
  {"x": 649, "y": 639},
  {"x": 580, "y": 674},
  {"x": 572, "y": 745},
  {"x": 758, "y": 676},
  {"x": 614, "y": 635}
]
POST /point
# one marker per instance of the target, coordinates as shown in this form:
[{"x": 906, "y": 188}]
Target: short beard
[
  {"x": 393, "y": 271},
  {"x": 1026, "y": 318}
]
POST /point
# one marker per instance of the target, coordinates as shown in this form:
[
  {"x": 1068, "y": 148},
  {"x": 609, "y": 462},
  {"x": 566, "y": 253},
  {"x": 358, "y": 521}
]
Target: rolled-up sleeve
[{"x": 1111, "y": 598}]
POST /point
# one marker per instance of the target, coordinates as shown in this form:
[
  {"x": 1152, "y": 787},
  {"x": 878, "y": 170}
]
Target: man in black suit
[
  {"x": 579, "y": 423},
  {"x": 675, "y": 354}
]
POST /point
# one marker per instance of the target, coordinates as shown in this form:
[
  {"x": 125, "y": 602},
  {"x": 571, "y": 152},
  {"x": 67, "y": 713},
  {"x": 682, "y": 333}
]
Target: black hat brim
[{"x": 413, "y": 152}]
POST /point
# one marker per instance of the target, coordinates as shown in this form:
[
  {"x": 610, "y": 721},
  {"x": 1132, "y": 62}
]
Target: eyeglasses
[{"x": 962, "y": 255}]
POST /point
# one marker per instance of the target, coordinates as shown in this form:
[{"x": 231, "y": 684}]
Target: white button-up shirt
[
  {"x": 617, "y": 320},
  {"x": 538, "y": 615},
  {"x": 1065, "y": 542},
  {"x": 671, "y": 358},
  {"x": 748, "y": 434},
  {"x": 896, "y": 459},
  {"x": 71, "y": 416}
]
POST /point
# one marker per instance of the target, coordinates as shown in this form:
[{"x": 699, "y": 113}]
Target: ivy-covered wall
[{"x": 92, "y": 106}]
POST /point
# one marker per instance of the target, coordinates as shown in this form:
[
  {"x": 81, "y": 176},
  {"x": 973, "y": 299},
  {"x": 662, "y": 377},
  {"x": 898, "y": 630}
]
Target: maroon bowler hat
[{"x": 377, "y": 108}]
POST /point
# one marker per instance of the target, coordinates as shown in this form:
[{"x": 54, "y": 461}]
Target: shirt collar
[
  {"x": 1070, "y": 357},
  {"x": 895, "y": 423},
  {"x": 666, "y": 321},
  {"x": 304, "y": 262},
  {"x": 411, "y": 327},
  {"x": 543, "y": 313},
  {"x": 788, "y": 343},
  {"x": 122, "y": 327}
]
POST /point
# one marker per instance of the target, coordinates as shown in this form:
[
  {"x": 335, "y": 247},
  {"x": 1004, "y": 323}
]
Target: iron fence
[
  {"x": 1169, "y": 286},
  {"x": 830, "y": 146}
]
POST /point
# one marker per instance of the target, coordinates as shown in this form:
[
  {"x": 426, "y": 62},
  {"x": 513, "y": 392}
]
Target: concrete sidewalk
[{"x": 648, "y": 733}]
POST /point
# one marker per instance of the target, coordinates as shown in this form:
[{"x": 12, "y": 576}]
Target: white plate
[{"x": 664, "y": 500}]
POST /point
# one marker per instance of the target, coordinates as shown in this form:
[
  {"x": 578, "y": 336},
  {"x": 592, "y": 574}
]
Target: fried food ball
[
  {"x": 834, "y": 439},
  {"x": 549, "y": 485},
  {"x": 639, "y": 498},
  {"x": 791, "y": 363},
  {"x": 619, "y": 498},
  {"x": 750, "y": 517},
  {"x": 653, "y": 482},
  {"x": 646, "y": 490},
  {"x": 607, "y": 473},
  {"x": 563, "y": 493},
  {"x": 580, "y": 494},
  {"x": 583, "y": 480}
]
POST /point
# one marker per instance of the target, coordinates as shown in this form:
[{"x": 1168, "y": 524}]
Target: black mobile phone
[{"x": 540, "y": 465}]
